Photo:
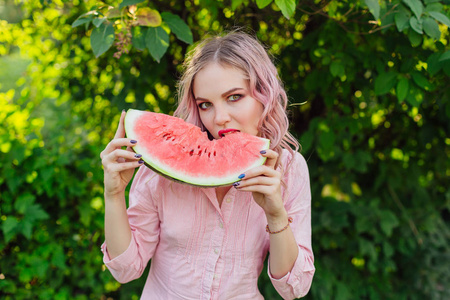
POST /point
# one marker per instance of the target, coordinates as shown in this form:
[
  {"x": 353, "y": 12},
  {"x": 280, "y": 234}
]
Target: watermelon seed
[
  {"x": 200, "y": 152},
  {"x": 214, "y": 153},
  {"x": 209, "y": 154},
  {"x": 191, "y": 152},
  {"x": 198, "y": 147}
]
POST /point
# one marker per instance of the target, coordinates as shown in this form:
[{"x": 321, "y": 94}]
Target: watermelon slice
[{"x": 181, "y": 151}]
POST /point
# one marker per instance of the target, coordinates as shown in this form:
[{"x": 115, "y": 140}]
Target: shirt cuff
[
  {"x": 290, "y": 284},
  {"x": 124, "y": 260}
]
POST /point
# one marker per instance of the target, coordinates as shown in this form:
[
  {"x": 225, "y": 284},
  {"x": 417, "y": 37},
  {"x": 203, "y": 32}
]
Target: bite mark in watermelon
[{"x": 181, "y": 151}]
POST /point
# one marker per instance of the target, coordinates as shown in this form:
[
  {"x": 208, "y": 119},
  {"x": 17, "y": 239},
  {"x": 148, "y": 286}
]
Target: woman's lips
[{"x": 225, "y": 131}]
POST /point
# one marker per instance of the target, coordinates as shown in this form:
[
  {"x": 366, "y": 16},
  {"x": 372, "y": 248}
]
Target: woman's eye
[
  {"x": 204, "y": 105},
  {"x": 234, "y": 97}
]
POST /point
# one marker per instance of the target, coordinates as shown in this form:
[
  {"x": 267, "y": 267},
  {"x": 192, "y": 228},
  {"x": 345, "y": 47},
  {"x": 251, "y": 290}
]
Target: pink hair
[{"x": 244, "y": 52}]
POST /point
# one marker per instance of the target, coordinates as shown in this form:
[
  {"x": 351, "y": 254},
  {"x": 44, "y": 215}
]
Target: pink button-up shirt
[{"x": 200, "y": 250}]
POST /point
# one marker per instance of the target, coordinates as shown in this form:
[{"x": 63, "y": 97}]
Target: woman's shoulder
[{"x": 292, "y": 158}]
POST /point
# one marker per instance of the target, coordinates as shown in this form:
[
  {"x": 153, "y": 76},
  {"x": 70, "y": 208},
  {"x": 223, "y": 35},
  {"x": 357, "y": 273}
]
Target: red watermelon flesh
[{"x": 183, "y": 152}]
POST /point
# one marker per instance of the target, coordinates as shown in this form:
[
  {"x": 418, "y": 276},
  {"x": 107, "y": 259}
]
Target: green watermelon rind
[{"x": 175, "y": 175}]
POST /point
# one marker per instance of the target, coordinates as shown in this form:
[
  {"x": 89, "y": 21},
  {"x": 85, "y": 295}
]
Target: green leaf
[
  {"x": 148, "y": 17},
  {"x": 8, "y": 227},
  {"x": 416, "y": 7},
  {"x": 445, "y": 56},
  {"x": 414, "y": 38},
  {"x": 235, "y": 4},
  {"x": 26, "y": 227},
  {"x": 178, "y": 27},
  {"x": 384, "y": 83},
  {"x": 287, "y": 7},
  {"x": 440, "y": 17},
  {"x": 138, "y": 37},
  {"x": 157, "y": 41},
  {"x": 98, "y": 21},
  {"x": 337, "y": 69},
  {"x": 35, "y": 212},
  {"x": 402, "y": 89},
  {"x": 434, "y": 7},
  {"x": 58, "y": 257},
  {"x": 23, "y": 201},
  {"x": 416, "y": 25},
  {"x": 102, "y": 39},
  {"x": 374, "y": 8},
  {"x": 263, "y": 3},
  {"x": 433, "y": 63},
  {"x": 82, "y": 20},
  {"x": 402, "y": 19},
  {"x": 129, "y": 2},
  {"x": 431, "y": 28},
  {"x": 422, "y": 81},
  {"x": 388, "y": 222}
]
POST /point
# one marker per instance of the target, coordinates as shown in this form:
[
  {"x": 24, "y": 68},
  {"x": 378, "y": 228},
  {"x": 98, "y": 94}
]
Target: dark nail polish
[
  {"x": 133, "y": 141},
  {"x": 262, "y": 152},
  {"x": 138, "y": 155},
  {"x": 141, "y": 161},
  {"x": 241, "y": 176},
  {"x": 236, "y": 184}
]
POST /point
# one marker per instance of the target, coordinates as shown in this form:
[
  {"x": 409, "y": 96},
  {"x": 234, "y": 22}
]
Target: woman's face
[{"x": 224, "y": 102}]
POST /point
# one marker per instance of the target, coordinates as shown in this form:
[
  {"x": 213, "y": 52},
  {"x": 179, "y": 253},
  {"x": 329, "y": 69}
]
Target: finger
[
  {"x": 120, "y": 132},
  {"x": 260, "y": 171},
  {"x": 117, "y": 144},
  {"x": 117, "y": 154},
  {"x": 262, "y": 189},
  {"x": 260, "y": 180},
  {"x": 272, "y": 158},
  {"x": 126, "y": 166}
]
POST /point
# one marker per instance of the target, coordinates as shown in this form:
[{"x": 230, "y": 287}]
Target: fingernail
[
  {"x": 138, "y": 155},
  {"x": 141, "y": 161},
  {"x": 241, "y": 176},
  {"x": 123, "y": 110},
  {"x": 236, "y": 184},
  {"x": 133, "y": 141},
  {"x": 262, "y": 151}
]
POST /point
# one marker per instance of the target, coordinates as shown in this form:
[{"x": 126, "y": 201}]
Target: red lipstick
[{"x": 224, "y": 131}]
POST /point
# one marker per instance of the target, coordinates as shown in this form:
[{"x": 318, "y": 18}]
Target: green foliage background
[{"x": 369, "y": 88}]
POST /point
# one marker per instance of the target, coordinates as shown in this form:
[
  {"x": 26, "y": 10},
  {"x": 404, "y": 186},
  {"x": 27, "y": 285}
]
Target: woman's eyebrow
[{"x": 223, "y": 95}]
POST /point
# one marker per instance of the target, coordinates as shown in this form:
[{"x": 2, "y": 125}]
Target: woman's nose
[{"x": 222, "y": 116}]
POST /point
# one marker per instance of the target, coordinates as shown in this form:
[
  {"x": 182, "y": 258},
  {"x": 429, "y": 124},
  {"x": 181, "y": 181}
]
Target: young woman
[{"x": 211, "y": 243}]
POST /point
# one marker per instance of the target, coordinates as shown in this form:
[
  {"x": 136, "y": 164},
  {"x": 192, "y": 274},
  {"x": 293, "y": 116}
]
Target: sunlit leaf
[
  {"x": 235, "y": 4},
  {"x": 102, "y": 38},
  {"x": 287, "y": 7},
  {"x": 263, "y": 3},
  {"x": 129, "y": 2},
  {"x": 82, "y": 20},
  {"x": 374, "y": 8},
  {"x": 148, "y": 17},
  {"x": 98, "y": 21},
  {"x": 178, "y": 27},
  {"x": 157, "y": 42}
]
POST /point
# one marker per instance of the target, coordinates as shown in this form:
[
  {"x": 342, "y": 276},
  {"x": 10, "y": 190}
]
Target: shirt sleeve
[
  {"x": 297, "y": 282},
  {"x": 144, "y": 223}
]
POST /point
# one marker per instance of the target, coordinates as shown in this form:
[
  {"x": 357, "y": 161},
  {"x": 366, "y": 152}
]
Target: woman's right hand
[{"x": 119, "y": 164}]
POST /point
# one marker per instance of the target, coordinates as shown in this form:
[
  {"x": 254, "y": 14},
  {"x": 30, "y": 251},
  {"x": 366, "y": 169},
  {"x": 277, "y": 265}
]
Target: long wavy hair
[{"x": 244, "y": 52}]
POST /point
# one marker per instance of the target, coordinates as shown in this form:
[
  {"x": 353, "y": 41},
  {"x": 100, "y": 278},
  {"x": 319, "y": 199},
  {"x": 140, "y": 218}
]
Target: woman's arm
[{"x": 119, "y": 166}]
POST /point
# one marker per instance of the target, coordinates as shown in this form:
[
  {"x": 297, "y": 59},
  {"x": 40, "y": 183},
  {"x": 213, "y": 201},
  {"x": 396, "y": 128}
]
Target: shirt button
[
  {"x": 216, "y": 251},
  {"x": 220, "y": 224},
  {"x": 228, "y": 200}
]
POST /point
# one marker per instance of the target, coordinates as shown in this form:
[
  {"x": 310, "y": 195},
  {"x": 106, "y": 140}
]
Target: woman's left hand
[{"x": 265, "y": 184}]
